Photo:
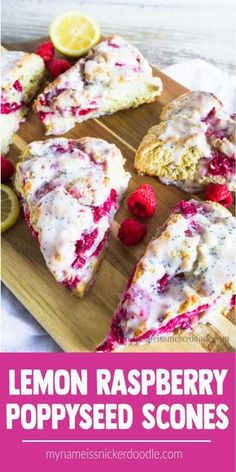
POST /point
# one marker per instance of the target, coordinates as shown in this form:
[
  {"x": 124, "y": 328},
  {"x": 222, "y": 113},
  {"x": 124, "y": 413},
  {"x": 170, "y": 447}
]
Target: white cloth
[
  {"x": 200, "y": 75},
  {"x": 20, "y": 331}
]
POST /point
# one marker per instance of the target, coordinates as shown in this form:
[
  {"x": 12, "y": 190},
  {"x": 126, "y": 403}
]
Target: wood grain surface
[{"x": 79, "y": 325}]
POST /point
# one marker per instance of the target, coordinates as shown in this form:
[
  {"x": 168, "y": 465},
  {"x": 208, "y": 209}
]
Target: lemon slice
[
  {"x": 10, "y": 208},
  {"x": 73, "y": 34}
]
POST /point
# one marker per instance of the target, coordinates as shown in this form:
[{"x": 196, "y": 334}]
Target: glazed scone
[
  {"x": 187, "y": 273},
  {"x": 21, "y": 74},
  {"x": 70, "y": 191},
  {"x": 113, "y": 76},
  {"x": 194, "y": 144}
]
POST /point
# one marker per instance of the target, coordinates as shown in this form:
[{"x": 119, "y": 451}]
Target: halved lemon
[
  {"x": 10, "y": 208},
  {"x": 74, "y": 33}
]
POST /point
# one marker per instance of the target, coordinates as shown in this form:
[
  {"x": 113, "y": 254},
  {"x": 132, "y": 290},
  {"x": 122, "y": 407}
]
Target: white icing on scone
[
  {"x": 199, "y": 120},
  {"x": 113, "y": 76},
  {"x": 185, "y": 272}
]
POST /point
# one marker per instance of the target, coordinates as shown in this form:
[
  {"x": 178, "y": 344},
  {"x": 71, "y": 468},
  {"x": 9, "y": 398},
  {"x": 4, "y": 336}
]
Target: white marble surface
[{"x": 167, "y": 31}]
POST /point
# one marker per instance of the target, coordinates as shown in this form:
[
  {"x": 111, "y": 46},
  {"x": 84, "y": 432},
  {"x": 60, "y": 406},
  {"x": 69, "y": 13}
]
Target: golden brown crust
[{"x": 153, "y": 158}]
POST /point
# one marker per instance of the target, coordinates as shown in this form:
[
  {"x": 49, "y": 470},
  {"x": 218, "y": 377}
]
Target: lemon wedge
[
  {"x": 73, "y": 34},
  {"x": 10, "y": 208}
]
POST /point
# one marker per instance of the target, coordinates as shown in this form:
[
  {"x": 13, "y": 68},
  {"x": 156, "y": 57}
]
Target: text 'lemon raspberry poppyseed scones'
[
  {"x": 187, "y": 273},
  {"x": 70, "y": 191},
  {"x": 113, "y": 76},
  {"x": 21, "y": 74},
  {"x": 194, "y": 144}
]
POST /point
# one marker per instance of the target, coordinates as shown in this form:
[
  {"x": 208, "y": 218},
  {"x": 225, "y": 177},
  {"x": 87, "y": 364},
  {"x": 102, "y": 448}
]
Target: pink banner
[{"x": 84, "y": 411}]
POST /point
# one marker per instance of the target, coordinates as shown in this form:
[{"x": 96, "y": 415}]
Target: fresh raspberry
[
  {"x": 131, "y": 232},
  {"x": 142, "y": 202},
  {"x": 7, "y": 169},
  {"x": 58, "y": 66},
  {"x": 45, "y": 51},
  {"x": 219, "y": 193}
]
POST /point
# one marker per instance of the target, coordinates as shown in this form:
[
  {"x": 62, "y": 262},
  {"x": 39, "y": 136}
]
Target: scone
[
  {"x": 194, "y": 144},
  {"x": 21, "y": 74},
  {"x": 113, "y": 76},
  {"x": 70, "y": 191},
  {"x": 187, "y": 273}
]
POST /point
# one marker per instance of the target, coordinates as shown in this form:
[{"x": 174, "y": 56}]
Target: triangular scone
[
  {"x": 194, "y": 144},
  {"x": 113, "y": 76},
  {"x": 70, "y": 191},
  {"x": 187, "y": 272},
  {"x": 21, "y": 74}
]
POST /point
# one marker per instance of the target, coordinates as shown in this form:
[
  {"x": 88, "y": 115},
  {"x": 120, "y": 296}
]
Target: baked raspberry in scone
[
  {"x": 194, "y": 144},
  {"x": 20, "y": 78},
  {"x": 113, "y": 76},
  {"x": 70, "y": 191},
  {"x": 187, "y": 273}
]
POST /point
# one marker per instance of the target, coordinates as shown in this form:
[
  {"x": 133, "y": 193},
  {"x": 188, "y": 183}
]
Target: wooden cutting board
[{"x": 80, "y": 325}]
